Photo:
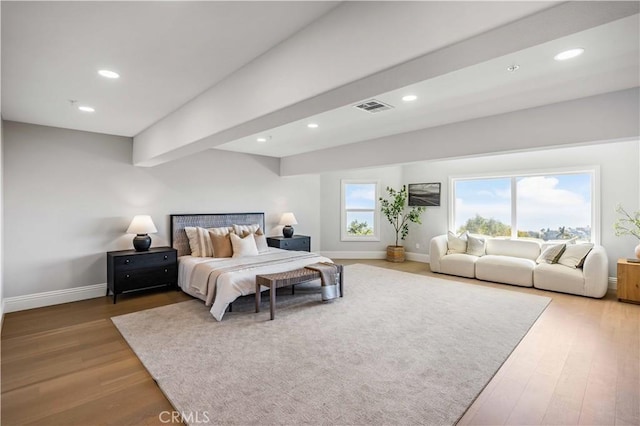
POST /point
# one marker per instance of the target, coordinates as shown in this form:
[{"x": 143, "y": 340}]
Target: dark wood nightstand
[
  {"x": 297, "y": 242},
  {"x": 129, "y": 270}
]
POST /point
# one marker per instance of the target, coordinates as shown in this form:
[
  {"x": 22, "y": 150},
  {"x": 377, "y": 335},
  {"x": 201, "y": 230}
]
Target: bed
[{"x": 220, "y": 281}]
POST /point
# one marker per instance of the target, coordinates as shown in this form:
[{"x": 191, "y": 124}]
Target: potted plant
[
  {"x": 395, "y": 210},
  {"x": 628, "y": 225}
]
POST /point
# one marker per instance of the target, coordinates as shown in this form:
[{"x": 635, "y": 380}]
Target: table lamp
[
  {"x": 287, "y": 220},
  {"x": 142, "y": 225}
]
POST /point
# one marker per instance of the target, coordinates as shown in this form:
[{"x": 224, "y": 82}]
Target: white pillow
[
  {"x": 192, "y": 236},
  {"x": 244, "y": 247},
  {"x": 199, "y": 241},
  {"x": 476, "y": 246},
  {"x": 574, "y": 255},
  {"x": 456, "y": 244},
  {"x": 551, "y": 254},
  {"x": 242, "y": 229}
]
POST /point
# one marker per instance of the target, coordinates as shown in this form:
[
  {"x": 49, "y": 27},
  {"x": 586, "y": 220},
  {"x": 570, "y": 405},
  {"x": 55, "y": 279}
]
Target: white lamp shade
[
  {"x": 142, "y": 224},
  {"x": 288, "y": 219}
]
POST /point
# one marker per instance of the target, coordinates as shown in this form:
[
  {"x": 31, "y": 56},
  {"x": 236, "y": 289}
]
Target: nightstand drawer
[
  {"x": 144, "y": 261},
  {"x": 132, "y": 280},
  {"x": 297, "y": 244}
]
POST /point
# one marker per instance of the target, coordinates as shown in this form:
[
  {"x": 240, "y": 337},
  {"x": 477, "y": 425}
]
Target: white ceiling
[
  {"x": 166, "y": 54},
  {"x": 611, "y": 62},
  {"x": 170, "y": 52}
]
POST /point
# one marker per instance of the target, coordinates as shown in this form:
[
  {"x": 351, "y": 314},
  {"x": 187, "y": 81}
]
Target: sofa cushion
[
  {"x": 462, "y": 265},
  {"x": 525, "y": 249},
  {"x": 505, "y": 269},
  {"x": 559, "y": 278}
]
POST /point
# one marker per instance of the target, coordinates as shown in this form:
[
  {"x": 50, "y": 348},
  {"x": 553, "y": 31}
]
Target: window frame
[
  {"x": 594, "y": 171},
  {"x": 343, "y": 211}
]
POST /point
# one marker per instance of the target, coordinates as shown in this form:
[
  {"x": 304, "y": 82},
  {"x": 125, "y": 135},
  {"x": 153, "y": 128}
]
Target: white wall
[
  {"x": 70, "y": 195},
  {"x": 619, "y": 183},
  {"x": 1, "y": 225},
  {"x": 330, "y": 193}
]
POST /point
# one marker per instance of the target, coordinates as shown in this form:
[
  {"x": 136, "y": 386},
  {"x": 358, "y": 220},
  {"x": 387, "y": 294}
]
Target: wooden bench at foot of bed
[{"x": 289, "y": 278}]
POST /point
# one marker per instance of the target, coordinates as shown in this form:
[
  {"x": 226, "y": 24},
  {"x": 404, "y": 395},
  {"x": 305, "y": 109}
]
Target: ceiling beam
[
  {"x": 301, "y": 78},
  {"x": 613, "y": 116}
]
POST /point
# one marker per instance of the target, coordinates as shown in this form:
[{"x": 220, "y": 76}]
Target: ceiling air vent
[{"x": 373, "y": 106}]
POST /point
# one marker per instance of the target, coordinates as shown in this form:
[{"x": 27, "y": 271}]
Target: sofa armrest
[
  {"x": 437, "y": 249},
  {"x": 596, "y": 272}
]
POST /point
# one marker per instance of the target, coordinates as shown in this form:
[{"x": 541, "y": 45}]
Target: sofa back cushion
[{"x": 524, "y": 249}]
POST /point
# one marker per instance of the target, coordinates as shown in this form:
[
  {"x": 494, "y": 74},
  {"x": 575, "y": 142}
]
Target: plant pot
[{"x": 395, "y": 254}]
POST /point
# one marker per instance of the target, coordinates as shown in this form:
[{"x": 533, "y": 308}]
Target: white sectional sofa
[{"x": 514, "y": 262}]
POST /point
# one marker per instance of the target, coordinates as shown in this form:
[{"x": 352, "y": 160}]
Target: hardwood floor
[{"x": 68, "y": 364}]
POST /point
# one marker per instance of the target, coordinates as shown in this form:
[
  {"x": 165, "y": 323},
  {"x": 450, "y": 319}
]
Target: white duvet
[{"x": 221, "y": 281}]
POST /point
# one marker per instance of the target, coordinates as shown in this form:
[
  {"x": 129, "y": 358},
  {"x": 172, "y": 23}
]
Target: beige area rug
[{"x": 399, "y": 348}]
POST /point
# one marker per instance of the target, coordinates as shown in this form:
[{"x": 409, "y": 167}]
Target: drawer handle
[
  {"x": 166, "y": 257},
  {"x": 166, "y": 270},
  {"x": 127, "y": 276},
  {"x": 127, "y": 261}
]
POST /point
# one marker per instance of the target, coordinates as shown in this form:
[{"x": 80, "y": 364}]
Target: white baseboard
[
  {"x": 613, "y": 283},
  {"x": 417, "y": 257},
  {"x": 2, "y": 311},
  {"x": 48, "y": 298},
  {"x": 355, "y": 254}
]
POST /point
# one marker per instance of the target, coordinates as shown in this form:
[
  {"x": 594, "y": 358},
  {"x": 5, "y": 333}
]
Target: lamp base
[
  {"x": 142, "y": 242},
  {"x": 287, "y": 231}
]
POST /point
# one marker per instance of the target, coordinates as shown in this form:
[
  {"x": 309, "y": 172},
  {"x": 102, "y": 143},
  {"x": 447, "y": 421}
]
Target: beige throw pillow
[
  {"x": 456, "y": 244},
  {"x": 574, "y": 255},
  {"x": 244, "y": 247},
  {"x": 551, "y": 254},
  {"x": 221, "y": 244}
]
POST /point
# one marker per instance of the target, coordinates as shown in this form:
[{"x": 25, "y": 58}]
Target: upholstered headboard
[{"x": 179, "y": 239}]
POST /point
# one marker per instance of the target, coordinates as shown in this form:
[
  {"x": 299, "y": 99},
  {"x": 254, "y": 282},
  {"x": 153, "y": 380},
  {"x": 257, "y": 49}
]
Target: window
[
  {"x": 549, "y": 206},
  {"x": 360, "y": 211}
]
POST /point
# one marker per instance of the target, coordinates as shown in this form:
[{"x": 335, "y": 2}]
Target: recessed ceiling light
[
  {"x": 513, "y": 68},
  {"x": 568, "y": 54},
  {"x": 409, "y": 98},
  {"x": 109, "y": 74},
  {"x": 312, "y": 125},
  {"x": 261, "y": 139},
  {"x": 86, "y": 108}
]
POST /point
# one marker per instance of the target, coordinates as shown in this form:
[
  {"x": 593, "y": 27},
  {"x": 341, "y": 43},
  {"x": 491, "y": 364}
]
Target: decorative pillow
[
  {"x": 221, "y": 244},
  {"x": 574, "y": 255},
  {"x": 476, "y": 245},
  {"x": 551, "y": 254},
  {"x": 192, "y": 236},
  {"x": 456, "y": 244},
  {"x": 241, "y": 229},
  {"x": 243, "y": 247},
  {"x": 261, "y": 240},
  {"x": 199, "y": 241}
]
